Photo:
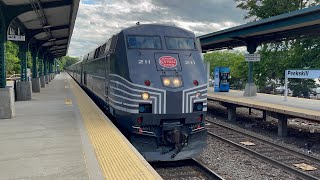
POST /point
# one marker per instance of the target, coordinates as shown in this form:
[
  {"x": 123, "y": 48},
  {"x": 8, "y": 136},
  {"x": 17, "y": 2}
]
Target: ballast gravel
[{"x": 232, "y": 163}]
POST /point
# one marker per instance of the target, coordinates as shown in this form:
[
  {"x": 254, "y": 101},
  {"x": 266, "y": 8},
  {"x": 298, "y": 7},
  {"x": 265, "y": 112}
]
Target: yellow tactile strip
[
  {"x": 118, "y": 159},
  {"x": 303, "y": 113}
]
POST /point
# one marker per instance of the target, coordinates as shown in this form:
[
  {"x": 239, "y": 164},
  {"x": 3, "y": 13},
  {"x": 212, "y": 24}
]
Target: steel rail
[
  {"x": 265, "y": 158},
  {"x": 206, "y": 170},
  {"x": 280, "y": 147}
]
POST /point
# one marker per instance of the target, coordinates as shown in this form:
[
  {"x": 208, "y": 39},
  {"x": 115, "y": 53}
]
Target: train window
[
  {"x": 144, "y": 42},
  {"x": 180, "y": 43}
]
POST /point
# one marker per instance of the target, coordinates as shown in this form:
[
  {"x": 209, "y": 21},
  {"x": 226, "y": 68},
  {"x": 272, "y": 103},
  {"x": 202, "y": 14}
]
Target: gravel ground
[
  {"x": 234, "y": 164},
  {"x": 300, "y": 132},
  {"x": 173, "y": 173}
]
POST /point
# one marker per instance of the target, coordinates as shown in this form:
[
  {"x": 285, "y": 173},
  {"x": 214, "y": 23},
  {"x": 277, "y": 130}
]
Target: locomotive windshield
[
  {"x": 180, "y": 43},
  {"x": 144, "y": 42}
]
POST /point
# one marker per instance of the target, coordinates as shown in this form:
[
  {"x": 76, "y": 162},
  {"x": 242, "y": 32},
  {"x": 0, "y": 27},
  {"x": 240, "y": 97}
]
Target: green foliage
[
  {"x": 12, "y": 58},
  {"x": 277, "y": 57},
  {"x": 261, "y": 9},
  {"x": 67, "y": 61},
  {"x": 234, "y": 60}
]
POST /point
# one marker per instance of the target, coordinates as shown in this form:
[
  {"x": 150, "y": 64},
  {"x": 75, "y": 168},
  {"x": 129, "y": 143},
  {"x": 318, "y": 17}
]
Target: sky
[{"x": 98, "y": 20}]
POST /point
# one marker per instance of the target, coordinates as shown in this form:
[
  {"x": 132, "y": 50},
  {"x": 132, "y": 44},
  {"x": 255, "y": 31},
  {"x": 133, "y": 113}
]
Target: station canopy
[
  {"x": 48, "y": 23},
  {"x": 300, "y": 23}
]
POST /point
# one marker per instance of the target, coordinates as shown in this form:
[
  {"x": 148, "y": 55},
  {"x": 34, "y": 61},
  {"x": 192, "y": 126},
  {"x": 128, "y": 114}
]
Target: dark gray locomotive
[{"x": 152, "y": 80}]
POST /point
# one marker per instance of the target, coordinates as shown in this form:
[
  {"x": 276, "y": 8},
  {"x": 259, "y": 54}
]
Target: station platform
[
  {"x": 272, "y": 105},
  {"x": 298, "y": 107},
  {"x": 62, "y": 134}
]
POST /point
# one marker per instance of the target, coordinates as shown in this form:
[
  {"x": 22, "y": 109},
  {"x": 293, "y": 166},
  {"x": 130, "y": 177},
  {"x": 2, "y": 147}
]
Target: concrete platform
[
  {"x": 272, "y": 105},
  {"x": 54, "y": 137},
  {"x": 296, "y": 107}
]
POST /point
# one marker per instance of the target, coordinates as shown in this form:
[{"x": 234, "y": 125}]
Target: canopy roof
[
  {"x": 286, "y": 26},
  {"x": 46, "y": 23}
]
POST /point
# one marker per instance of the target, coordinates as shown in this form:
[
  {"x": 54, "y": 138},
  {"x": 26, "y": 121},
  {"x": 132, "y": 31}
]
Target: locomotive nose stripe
[
  {"x": 133, "y": 91},
  {"x": 188, "y": 97}
]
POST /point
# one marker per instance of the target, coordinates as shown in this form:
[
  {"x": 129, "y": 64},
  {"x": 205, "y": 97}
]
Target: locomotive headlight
[
  {"x": 145, "y": 96},
  {"x": 166, "y": 81},
  {"x": 176, "y": 82},
  {"x": 172, "y": 81},
  {"x": 198, "y": 95}
]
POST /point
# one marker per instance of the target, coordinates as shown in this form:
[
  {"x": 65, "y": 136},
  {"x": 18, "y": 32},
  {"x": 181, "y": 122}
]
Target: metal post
[
  {"x": 208, "y": 72},
  {"x": 250, "y": 73},
  {"x": 23, "y": 60},
  {"x": 34, "y": 65},
  {"x": 286, "y": 87},
  {"x": 40, "y": 61},
  {"x": 55, "y": 66},
  {"x": 251, "y": 89},
  {"x": 41, "y": 70},
  {"x": 2, "y": 50},
  {"x": 23, "y": 88},
  {"x": 51, "y": 67},
  {"x": 44, "y": 67},
  {"x": 35, "y": 78}
]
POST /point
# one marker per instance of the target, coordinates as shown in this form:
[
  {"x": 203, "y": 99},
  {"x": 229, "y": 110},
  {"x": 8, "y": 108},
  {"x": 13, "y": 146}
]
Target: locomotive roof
[
  {"x": 128, "y": 29},
  {"x": 155, "y": 25}
]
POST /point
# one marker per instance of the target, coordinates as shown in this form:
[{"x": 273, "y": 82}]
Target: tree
[
  {"x": 261, "y": 9},
  {"x": 234, "y": 60},
  {"x": 67, "y": 61},
  {"x": 277, "y": 57},
  {"x": 12, "y": 58}
]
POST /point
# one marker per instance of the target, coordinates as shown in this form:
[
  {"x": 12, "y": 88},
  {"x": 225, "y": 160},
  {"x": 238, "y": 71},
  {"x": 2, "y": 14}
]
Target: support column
[
  {"x": 35, "y": 78},
  {"x": 23, "y": 88},
  {"x": 7, "y": 110},
  {"x": 55, "y": 66},
  {"x": 49, "y": 71},
  {"x": 42, "y": 79},
  {"x": 3, "y": 81},
  {"x": 46, "y": 77},
  {"x": 264, "y": 115},
  {"x": 52, "y": 70},
  {"x": 282, "y": 125},
  {"x": 251, "y": 88},
  {"x": 232, "y": 113}
]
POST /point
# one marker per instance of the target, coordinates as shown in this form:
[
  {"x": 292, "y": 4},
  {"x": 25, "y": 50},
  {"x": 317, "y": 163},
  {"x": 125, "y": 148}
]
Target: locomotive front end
[{"x": 170, "y": 86}]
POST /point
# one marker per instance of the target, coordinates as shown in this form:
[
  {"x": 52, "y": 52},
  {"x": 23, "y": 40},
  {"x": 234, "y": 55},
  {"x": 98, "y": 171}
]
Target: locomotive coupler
[{"x": 177, "y": 139}]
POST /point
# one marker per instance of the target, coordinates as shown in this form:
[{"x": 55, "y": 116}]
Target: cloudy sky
[{"x": 97, "y": 20}]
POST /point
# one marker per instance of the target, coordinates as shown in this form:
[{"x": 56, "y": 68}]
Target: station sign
[
  {"x": 16, "y": 38},
  {"x": 299, "y": 74},
  {"x": 252, "y": 57},
  {"x": 303, "y": 74}
]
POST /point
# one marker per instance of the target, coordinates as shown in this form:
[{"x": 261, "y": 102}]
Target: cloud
[{"x": 98, "y": 20}]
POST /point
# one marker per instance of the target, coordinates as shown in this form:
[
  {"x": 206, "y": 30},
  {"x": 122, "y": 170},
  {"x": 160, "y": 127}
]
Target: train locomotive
[{"x": 151, "y": 79}]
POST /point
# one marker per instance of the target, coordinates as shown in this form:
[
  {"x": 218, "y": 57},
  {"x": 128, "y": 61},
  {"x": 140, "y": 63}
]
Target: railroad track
[
  {"x": 277, "y": 155},
  {"x": 184, "y": 169}
]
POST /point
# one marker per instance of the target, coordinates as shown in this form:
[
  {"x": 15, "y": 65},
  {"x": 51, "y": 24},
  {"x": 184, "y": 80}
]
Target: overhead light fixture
[
  {"x": 46, "y": 26},
  {"x": 52, "y": 39}
]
